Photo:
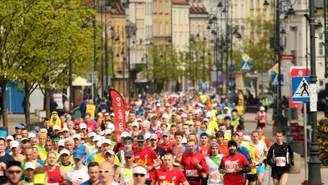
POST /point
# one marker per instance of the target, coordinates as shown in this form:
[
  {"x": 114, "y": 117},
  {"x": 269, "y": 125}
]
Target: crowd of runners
[{"x": 191, "y": 138}]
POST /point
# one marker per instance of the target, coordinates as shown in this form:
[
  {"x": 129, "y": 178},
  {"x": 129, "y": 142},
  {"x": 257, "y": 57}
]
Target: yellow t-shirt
[
  {"x": 252, "y": 151},
  {"x": 245, "y": 144},
  {"x": 213, "y": 126},
  {"x": 99, "y": 159},
  {"x": 240, "y": 109}
]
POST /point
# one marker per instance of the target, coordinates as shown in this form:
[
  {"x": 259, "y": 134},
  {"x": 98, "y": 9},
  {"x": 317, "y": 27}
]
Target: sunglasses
[
  {"x": 12, "y": 171},
  {"x": 138, "y": 174},
  {"x": 153, "y": 140},
  {"x": 104, "y": 171}
]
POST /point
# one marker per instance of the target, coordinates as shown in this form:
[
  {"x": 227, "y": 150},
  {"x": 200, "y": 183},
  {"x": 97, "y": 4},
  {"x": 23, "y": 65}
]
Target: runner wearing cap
[
  {"x": 140, "y": 174},
  {"x": 64, "y": 162},
  {"x": 145, "y": 156},
  {"x": 78, "y": 145},
  {"x": 234, "y": 165},
  {"x": 213, "y": 163},
  {"x": 261, "y": 117},
  {"x": 166, "y": 143},
  {"x": 127, "y": 145},
  {"x": 169, "y": 174},
  {"x": 79, "y": 173},
  {"x": 194, "y": 165},
  {"x": 13, "y": 172},
  {"x": 28, "y": 173},
  {"x": 223, "y": 145},
  {"x": 154, "y": 145},
  {"x": 110, "y": 157},
  {"x": 204, "y": 146},
  {"x": 124, "y": 174},
  {"x": 15, "y": 151}
]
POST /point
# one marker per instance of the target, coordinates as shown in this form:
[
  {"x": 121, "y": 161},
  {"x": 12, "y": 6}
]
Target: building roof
[
  {"x": 180, "y": 2},
  {"x": 198, "y": 9}
]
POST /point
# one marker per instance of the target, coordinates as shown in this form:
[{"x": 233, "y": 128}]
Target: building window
[
  {"x": 251, "y": 4},
  {"x": 167, "y": 28},
  {"x": 166, "y": 7},
  {"x": 321, "y": 83},
  {"x": 160, "y": 7},
  {"x": 154, "y": 6},
  {"x": 321, "y": 47},
  {"x": 160, "y": 29}
]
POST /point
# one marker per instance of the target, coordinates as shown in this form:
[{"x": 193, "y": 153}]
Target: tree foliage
[
  {"x": 40, "y": 37},
  {"x": 258, "y": 48}
]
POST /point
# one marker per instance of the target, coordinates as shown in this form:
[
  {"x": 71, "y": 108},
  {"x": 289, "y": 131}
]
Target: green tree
[
  {"x": 50, "y": 35},
  {"x": 258, "y": 48}
]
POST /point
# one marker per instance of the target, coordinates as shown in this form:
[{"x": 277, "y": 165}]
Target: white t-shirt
[
  {"x": 77, "y": 176},
  {"x": 260, "y": 148}
]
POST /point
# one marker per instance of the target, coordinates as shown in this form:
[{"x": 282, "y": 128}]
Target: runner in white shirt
[
  {"x": 262, "y": 150},
  {"x": 79, "y": 173}
]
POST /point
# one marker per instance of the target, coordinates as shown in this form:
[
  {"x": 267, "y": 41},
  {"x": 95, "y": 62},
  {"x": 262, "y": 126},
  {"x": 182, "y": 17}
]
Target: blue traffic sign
[
  {"x": 300, "y": 89},
  {"x": 275, "y": 80},
  {"x": 231, "y": 68},
  {"x": 222, "y": 77},
  {"x": 203, "y": 86},
  {"x": 246, "y": 66}
]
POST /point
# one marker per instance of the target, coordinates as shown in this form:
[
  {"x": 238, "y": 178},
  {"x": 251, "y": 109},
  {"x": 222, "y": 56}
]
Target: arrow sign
[
  {"x": 275, "y": 81},
  {"x": 275, "y": 68},
  {"x": 301, "y": 89}
]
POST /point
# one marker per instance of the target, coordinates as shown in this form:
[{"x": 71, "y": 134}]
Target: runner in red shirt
[
  {"x": 166, "y": 141},
  {"x": 146, "y": 157},
  {"x": 204, "y": 146},
  {"x": 222, "y": 143},
  {"x": 194, "y": 164},
  {"x": 233, "y": 166},
  {"x": 168, "y": 174}
]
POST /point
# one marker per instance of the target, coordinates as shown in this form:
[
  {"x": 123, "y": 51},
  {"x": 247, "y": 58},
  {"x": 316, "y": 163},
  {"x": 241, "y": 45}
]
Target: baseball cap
[
  {"x": 77, "y": 121},
  {"x": 78, "y": 154},
  {"x": 139, "y": 170},
  {"x": 125, "y": 134},
  {"x": 56, "y": 127},
  {"x": 14, "y": 144},
  {"x": 152, "y": 115},
  {"x": 11, "y": 138},
  {"x": 31, "y": 135},
  {"x": 61, "y": 142},
  {"x": 165, "y": 116},
  {"x": 184, "y": 115},
  {"x": 262, "y": 108},
  {"x": 140, "y": 137},
  {"x": 226, "y": 108},
  {"x": 247, "y": 138},
  {"x": 96, "y": 138},
  {"x": 147, "y": 135},
  {"x": 112, "y": 114},
  {"x": 91, "y": 134},
  {"x": 111, "y": 152},
  {"x": 108, "y": 131},
  {"x": 44, "y": 130},
  {"x": 158, "y": 104},
  {"x": 37, "y": 128},
  {"x": 29, "y": 165},
  {"x": 128, "y": 153},
  {"x": 64, "y": 151},
  {"x": 153, "y": 136},
  {"x": 77, "y": 136},
  {"x": 111, "y": 127},
  {"x": 135, "y": 124},
  {"x": 219, "y": 134},
  {"x": 138, "y": 119},
  {"x": 65, "y": 129},
  {"x": 83, "y": 126},
  {"x": 166, "y": 133},
  {"x": 205, "y": 119},
  {"x": 18, "y": 126},
  {"x": 106, "y": 141}
]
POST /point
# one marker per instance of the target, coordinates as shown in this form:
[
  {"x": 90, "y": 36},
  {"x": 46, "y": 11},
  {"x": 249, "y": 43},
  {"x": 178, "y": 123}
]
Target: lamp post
[
  {"x": 130, "y": 32},
  {"x": 314, "y": 162},
  {"x": 282, "y": 6},
  {"x": 167, "y": 41}
]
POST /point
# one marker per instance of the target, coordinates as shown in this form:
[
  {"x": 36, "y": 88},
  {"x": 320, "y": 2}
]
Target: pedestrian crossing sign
[
  {"x": 246, "y": 66},
  {"x": 274, "y": 80},
  {"x": 300, "y": 89}
]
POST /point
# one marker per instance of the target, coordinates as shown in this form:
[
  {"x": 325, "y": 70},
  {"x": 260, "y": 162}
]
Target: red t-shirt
[
  {"x": 91, "y": 126},
  {"x": 174, "y": 176},
  {"x": 145, "y": 157},
  {"x": 164, "y": 146},
  {"x": 224, "y": 148},
  {"x": 228, "y": 162},
  {"x": 190, "y": 169},
  {"x": 204, "y": 149}
]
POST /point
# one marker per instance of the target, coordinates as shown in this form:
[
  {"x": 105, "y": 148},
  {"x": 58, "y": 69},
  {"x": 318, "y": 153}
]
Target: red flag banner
[{"x": 119, "y": 113}]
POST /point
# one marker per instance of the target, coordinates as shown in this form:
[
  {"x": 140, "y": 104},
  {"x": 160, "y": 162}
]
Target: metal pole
[
  {"x": 326, "y": 36},
  {"x": 279, "y": 117},
  {"x": 129, "y": 69},
  {"x": 305, "y": 139},
  {"x": 106, "y": 51},
  {"x": 70, "y": 83},
  {"x": 314, "y": 162},
  {"x": 227, "y": 55}
]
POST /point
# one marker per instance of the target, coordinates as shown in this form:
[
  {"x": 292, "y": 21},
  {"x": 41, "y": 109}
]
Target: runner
[
  {"x": 280, "y": 158},
  {"x": 124, "y": 174},
  {"x": 213, "y": 163}
]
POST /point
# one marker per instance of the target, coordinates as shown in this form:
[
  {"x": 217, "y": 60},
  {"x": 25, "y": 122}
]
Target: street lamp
[
  {"x": 167, "y": 41},
  {"x": 130, "y": 31}
]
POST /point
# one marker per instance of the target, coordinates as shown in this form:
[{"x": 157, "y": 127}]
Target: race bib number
[
  {"x": 280, "y": 161},
  {"x": 215, "y": 177},
  {"x": 230, "y": 166},
  {"x": 130, "y": 182},
  {"x": 192, "y": 173}
]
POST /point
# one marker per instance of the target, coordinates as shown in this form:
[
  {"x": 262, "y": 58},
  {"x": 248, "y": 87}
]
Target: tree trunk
[
  {"x": 47, "y": 102},
  {"x": 4, "y": 104},
  {"x": 27, "y": 104}
]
